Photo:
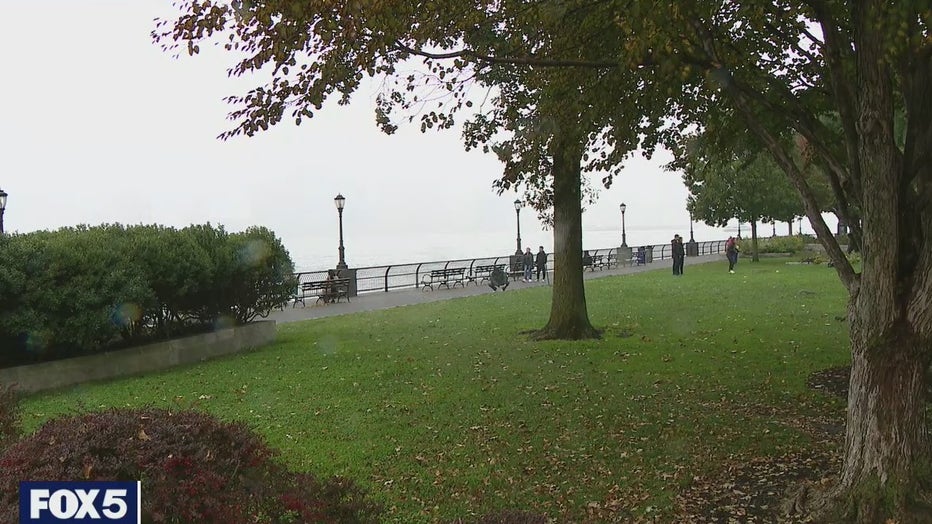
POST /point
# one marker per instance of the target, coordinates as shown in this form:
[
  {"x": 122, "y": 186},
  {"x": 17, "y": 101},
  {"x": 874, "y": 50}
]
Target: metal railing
[{"x": 400, "y": 276}]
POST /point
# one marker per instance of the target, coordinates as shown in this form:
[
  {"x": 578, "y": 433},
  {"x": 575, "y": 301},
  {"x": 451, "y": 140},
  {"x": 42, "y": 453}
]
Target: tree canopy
[{"x": 608, "y": 76}]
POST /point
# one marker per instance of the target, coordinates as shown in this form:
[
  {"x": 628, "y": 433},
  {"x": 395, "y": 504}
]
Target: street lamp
[
  {"x": 3, "y": 196},
  {"x": 691, "y": 238},
  {"x": 340, "y": 201},
  {"x": 624, "y": 240},
  {"x": 774, "y": 224},
  {"x": 739, "y": 228},
  {"x": 518, "y": 206}
]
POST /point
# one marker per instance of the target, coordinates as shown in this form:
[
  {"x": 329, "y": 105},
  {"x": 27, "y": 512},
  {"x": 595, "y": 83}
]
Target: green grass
[{"x": 444, "y": 409}]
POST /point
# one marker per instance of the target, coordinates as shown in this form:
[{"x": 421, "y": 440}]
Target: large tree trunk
[
  {"x": 887, "y": 453},
  {"x": 569, "y": 318},
  {"x": 887, "y": 471}
]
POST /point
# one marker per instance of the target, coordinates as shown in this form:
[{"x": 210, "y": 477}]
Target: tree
[
  {"x": 750, "y": 189},
  {"x": 779, "y": 66},
  {"x": 786, "y": 65},
  {"x": 540, "y": 121}
]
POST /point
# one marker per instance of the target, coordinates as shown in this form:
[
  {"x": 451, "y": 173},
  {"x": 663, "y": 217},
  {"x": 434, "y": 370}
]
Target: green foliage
[
  {"x": 86, "y": 289},
  {"x": 445, "y": 410},
  {"x": 786, "y": 244}
]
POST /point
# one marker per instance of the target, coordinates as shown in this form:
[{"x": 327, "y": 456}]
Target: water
[{"x": 314, "y": 252}]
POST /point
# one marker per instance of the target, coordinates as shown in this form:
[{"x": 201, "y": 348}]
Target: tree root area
[
  {"x": 575, "y": 333},
  {"x": 789, "y": 488}
]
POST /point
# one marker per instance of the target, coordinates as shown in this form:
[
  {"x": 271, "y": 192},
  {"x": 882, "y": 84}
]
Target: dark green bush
[
  {"x": 89, "y": 289},
  {"x": 786, "y": 244},
  {"x": 193, "y": 468}
]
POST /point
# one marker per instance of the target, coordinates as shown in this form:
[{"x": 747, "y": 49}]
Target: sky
[{"x": 99, "y": 125}]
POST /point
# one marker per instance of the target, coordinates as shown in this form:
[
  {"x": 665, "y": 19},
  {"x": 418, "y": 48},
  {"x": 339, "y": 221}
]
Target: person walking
[
  {"x": 679, "y": 254},
  {"x": 541, "y": 263},
  {"x": 731, "y": 251},
  {"x": 528, "y": 264}
]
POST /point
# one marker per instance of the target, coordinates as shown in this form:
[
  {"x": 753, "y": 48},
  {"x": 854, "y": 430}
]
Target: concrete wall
[{"x": 139, "y": 360}]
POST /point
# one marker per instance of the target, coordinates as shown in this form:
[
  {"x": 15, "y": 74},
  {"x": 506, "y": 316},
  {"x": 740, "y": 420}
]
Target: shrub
[
  {"x": 90, "y": 289},
  {"x": 10, "y": 428},
  {"x": 193, "y": 468},
  {"x": 787, "y": 244}
]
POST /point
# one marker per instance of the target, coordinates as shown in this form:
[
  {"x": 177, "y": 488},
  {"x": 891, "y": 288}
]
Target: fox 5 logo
[{"x": 54, "y": 502}]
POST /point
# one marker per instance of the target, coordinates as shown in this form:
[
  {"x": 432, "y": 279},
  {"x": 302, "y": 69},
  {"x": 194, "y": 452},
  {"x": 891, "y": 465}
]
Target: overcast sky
[{"x": 99, "y": 125}]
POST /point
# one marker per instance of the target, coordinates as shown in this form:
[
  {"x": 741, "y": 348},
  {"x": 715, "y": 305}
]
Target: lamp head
[{"x": 340, "y": 201}]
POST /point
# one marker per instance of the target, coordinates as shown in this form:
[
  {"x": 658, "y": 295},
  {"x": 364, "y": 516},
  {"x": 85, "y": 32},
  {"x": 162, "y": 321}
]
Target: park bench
[
  {"x": 597, "y": 262},
  {"x": 482, "y": 273},
  {"x": 612, "y": 260},
  {"x": 324, "y": 290},
  {"x": 444, "y": 277}
]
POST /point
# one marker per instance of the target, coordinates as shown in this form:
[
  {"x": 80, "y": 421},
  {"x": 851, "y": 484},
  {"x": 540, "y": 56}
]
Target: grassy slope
[{"x": 444, "y": 409}]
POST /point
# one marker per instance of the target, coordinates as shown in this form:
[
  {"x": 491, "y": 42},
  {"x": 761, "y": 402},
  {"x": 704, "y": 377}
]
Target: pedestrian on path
[
  {"x": 528, "y": 264},
  {"x": 679, "y": 254},
  {"x": 731, "y": 251},
  {"x": 541, "y": 263}
]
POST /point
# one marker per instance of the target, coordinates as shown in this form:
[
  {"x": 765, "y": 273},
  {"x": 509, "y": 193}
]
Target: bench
[
  {"x": 597, "y": 262},
  {"x": 482, "y": 273},
  {"x": 326, "y": 290},
  {"x": 444, "y": 277}
]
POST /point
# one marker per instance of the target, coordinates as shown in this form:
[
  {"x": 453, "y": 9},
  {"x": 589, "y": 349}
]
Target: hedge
[{"x": 84, "y": 290}]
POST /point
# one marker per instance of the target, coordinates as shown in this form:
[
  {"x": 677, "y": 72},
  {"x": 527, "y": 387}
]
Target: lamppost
[
  {"x": 691, "y": 238},
  {"x": 774, "y": 224},
  {"x": 518, "y": 206},
  {"x": 340, "y": 201},
  {"x": 739, "y": 228},
  {"x": 3, "y": 196},
  {"x": 624, "y": 240}
]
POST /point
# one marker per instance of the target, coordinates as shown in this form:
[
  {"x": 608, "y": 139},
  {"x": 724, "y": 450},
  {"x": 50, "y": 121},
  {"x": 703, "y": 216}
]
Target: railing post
[{"x": 387, "y": 269}]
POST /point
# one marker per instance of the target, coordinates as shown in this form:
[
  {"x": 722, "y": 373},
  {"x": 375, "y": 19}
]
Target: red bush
[
  {"x": 9, "y": 416},
  {"x": 193, "y": 468}
]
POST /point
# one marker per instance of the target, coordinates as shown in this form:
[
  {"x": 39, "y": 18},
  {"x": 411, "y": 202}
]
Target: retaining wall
[{"x": 139, "y": 360}]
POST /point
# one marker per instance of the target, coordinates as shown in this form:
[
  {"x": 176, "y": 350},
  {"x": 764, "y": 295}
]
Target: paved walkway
[{"x": 404, "y": 297}]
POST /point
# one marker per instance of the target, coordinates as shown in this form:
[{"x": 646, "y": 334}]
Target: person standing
[
  {"x": 528, "y": 264},
  {"x": 541, "y": 263},
  {"x": 731, "y": 251},
  {"x": 679, "y": 254}
]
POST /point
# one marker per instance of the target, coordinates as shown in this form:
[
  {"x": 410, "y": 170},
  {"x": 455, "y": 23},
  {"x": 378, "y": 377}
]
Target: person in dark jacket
[
  {"x": 498, "y": 279},
  {"x": 528, "y": 264},
  {"x": 731, "y": 251},
  {"x": 679, "y": 254},
  {"x": 541, "y": 263}
]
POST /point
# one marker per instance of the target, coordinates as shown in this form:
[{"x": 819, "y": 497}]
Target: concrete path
[{"x": 404, "y": 297}]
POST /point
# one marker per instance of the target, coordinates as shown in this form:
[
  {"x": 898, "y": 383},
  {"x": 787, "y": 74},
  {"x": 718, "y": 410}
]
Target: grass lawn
[{"x": 445, "y": 410}]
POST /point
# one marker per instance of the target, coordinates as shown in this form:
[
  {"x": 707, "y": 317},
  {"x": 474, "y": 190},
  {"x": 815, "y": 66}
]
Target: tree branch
[{"x": 517, "y": 60}]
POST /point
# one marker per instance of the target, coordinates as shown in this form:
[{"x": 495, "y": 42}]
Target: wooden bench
[
  {"x": 444, "y": 277},
  {"x": 482, "y": 273},
  {"x": 326, "y": 290}
]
